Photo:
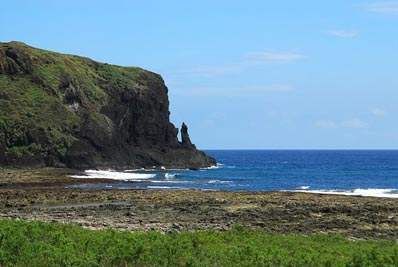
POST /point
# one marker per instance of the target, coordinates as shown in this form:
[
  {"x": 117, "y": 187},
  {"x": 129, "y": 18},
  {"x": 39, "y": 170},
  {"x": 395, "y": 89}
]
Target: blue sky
[{"x": 242, "y": 74}]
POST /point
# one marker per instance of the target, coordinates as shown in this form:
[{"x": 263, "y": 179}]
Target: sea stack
[
  {"x": 65, "y": 110},
  {"x": 185, "y": 139}
]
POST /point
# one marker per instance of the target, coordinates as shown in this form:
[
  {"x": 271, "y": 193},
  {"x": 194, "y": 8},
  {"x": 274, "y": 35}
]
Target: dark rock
[
  {"x": 15, "y": 60},
  {"x": 185, "y": 140}
]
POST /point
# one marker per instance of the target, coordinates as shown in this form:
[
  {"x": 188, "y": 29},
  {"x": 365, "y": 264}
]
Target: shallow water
[{"x": 349, "y": 172}]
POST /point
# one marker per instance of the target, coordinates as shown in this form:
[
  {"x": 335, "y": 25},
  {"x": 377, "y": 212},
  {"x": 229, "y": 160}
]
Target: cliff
[{"x": 65, "y": 110}]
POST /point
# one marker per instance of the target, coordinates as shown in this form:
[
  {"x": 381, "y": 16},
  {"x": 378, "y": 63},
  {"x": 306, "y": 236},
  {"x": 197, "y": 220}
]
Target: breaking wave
[
  {"x": 213, "y": 167},
  {"x": 370, "y": 192},
  {"x": 304, "y": 187},
  {"x": 218, "y": 182},
  {"x": 170, "y": 175},
  {"x": 114, "y": 175},
  {"x": 162, "y": 187},
  {"x": 170, "y": 182}
]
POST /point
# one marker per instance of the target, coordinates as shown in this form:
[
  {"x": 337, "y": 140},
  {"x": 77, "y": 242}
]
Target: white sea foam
[
  {"x": 213, "y": 167},
  {"x": 114, "y": 175},
  {"x": 370, "y": 192},
  {"x": 218, "y": 182},
  {"x": 170, "y": 182},
  {"x": 142, "y": 170},
  {"x": 155, "y": 169},
  {"x": 304, "y": 187},
  {"x": 162, "y": 168},
  {"x": 170, "y": 175},
  {"x": 162, "y": 187}
]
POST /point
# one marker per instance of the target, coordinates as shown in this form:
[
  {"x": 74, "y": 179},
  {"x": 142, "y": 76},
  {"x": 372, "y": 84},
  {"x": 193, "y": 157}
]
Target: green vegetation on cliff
[
  {"x": 58, "y": 109},
  {"x": 45, "y": 244},
  {"x": 34, "y": 88}
]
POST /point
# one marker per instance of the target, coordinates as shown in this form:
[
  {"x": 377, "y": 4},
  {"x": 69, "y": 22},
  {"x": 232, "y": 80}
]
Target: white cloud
[
  {"x": 326, "y": 124},
  {"x": 210, "y": 71},
  {"x": 238, "y": 91},
  {"x": 354, "y": 123},
  {"x": 385, "y": 7},
  {"x": 343, "y": 33},
  {"x": 263, "y": 89},
  {"x": 378, "y": 112},
  {"x": 275, "y": 57},
  {"x": 233, "y": 68}
]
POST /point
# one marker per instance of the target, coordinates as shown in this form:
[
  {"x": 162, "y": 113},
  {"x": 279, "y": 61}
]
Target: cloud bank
[
  {"x": 275, "y": 57},
  {"x": 354, "y": 123},
  {"x": 343, "y": 33},
  {"x": 386, "y": 7}
]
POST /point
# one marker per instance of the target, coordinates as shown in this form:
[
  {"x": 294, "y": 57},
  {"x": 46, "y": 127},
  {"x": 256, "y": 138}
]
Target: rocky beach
[{"x": 48, "y": 195}]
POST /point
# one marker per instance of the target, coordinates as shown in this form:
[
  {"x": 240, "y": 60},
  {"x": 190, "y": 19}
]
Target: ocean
[{"x": 347, "y": 172}]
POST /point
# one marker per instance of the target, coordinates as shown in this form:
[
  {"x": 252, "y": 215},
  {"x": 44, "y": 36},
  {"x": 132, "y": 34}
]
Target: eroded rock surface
[{"x": 48, "y": 195}]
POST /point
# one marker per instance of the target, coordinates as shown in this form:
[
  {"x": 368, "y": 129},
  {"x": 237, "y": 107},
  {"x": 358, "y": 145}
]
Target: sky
[{"x": 242, "y": 74}]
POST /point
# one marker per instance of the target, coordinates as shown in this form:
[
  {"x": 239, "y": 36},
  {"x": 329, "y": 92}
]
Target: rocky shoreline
[{"x": 41, "y": 194}]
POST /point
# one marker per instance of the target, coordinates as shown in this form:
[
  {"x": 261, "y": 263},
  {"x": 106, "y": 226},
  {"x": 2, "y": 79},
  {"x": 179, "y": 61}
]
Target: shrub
[{"x": 51, "y": 244}]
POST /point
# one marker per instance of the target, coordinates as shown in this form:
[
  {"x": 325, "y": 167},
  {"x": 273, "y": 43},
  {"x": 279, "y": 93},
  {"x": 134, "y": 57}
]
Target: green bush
[
  {"x": 24, "y": 151},
  {"x": 50, "y": 244}
]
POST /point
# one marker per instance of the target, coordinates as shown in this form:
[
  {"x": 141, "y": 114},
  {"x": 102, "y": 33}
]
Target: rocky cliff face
[{"x": 64, "y": 110}]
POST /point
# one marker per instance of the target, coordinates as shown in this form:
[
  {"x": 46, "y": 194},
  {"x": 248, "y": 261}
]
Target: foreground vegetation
[{"x": 50, "y": 244}]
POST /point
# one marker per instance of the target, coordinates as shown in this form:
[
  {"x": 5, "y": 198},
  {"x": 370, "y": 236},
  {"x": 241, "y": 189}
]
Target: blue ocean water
[{"x": 356, "y": 172}]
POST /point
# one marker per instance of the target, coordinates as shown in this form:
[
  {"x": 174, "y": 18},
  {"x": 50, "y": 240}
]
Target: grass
[
  {"x": 33, "y": 105},
  {"x": 50, "y": 244}
]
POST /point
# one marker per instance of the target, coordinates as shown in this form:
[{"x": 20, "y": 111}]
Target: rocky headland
[{"x": 70, "y": 111}]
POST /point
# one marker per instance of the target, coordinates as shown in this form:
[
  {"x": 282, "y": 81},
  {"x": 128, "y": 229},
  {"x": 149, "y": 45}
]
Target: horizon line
[{"x": 297, "y": 149}]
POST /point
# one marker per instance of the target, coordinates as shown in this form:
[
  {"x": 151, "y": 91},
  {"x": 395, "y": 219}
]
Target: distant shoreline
[{"x": 302, "y": 149}]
